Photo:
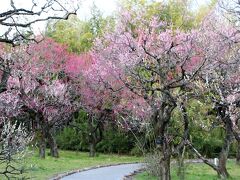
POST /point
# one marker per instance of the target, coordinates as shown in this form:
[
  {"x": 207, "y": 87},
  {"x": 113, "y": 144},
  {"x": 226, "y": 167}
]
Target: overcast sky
[
  {"x": 106, "y": 6},
  {"x": 109, "y": 6}
]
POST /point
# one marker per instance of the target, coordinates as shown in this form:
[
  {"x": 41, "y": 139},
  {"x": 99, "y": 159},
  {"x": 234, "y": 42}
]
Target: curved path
[{"x": 116, "y": 172}]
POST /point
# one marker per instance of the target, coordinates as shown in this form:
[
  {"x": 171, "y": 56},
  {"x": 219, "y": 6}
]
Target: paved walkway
[{"x": 105, "y": 173}]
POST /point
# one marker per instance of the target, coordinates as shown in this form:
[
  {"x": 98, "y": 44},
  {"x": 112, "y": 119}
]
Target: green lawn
[
  {"x": 41, "y": 169},
  {"x": 198, "y": 172}
]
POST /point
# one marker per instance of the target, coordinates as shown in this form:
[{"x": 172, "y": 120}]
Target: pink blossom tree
[
  {"x": 103, "y": 97},
  {"x": 219, "y": 80},
  {"x": 41, "y": 85},
  {"x": 154, "y": 63},
  {"x": 222, "y": 78}
]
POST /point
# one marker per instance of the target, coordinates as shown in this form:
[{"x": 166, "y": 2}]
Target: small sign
[{"x": 216, "y": 161}]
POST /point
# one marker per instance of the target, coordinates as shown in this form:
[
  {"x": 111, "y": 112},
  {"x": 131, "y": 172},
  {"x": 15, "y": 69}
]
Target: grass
[
  {"x": 197, "y": 171},
  {"x": 41, "y": 169}
]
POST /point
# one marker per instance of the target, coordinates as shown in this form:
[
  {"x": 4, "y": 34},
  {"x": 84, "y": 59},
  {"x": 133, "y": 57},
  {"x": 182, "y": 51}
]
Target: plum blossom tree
[
  {"x": 13, "y": 145},
  {"x": 231, "y": 9},
  {"x": 220, "y": 80},
  {"x": 42, "y": 87},
  {"x": 156, "y": 64},
  {"x": 223, "y": 77},
  {"x": 17, "y": 21},
  {"x": 94, "y": 99},
  {"x": 103, "y": 97}
]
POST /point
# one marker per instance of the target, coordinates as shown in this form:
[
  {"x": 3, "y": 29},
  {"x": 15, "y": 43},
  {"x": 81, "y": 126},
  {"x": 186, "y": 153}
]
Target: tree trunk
[
  {"x": 53, "y": 144},
  {"x": 234, "y": 118},
  {"x": 165, "y": 167},
  {"x": 238, "y": 153},
  {"x": 238, "y": 146},
  {"x": 180, "y": 148},
  {"x": 4, "y": 80},
  {"x": 92, "y": 138},
  {"x": 161, "y": 119},
  {"x": 224, "y": 152},
  {"x": 222, "y": 172},
  {"x": 42, "y": 147},
  {"x": 42, "y": 136},
  {"x": 164, "y": 164},
  {"x": 180, "y": 163},
  {"x": 46, "y": 134},
  {"x": 92, "y": 150},
  {"x": 95, "y": 133}
]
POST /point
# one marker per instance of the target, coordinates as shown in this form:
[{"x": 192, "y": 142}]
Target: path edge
[
  {"x": 59, "y": 176},
  {"x": 131, "y": 175}
]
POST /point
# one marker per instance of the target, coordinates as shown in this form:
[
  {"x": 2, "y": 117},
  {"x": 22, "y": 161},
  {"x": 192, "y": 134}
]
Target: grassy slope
[
  {"x": 45, "y": 168},
  {"x": 198, "y": 172}
]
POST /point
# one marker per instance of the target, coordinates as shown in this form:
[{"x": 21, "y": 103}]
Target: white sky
[
  {"x": 106, "y": 6},
  {"x": 109, "y": 6}
]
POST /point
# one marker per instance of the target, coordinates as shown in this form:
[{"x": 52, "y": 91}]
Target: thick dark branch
[
  {"x": 186, "y": 135},
  {"x": 11, "y": 18},
  {"x": 17, "y": 12},
  {"x": 205, "y": 160},
  {"x": 24, "y": 25}
]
